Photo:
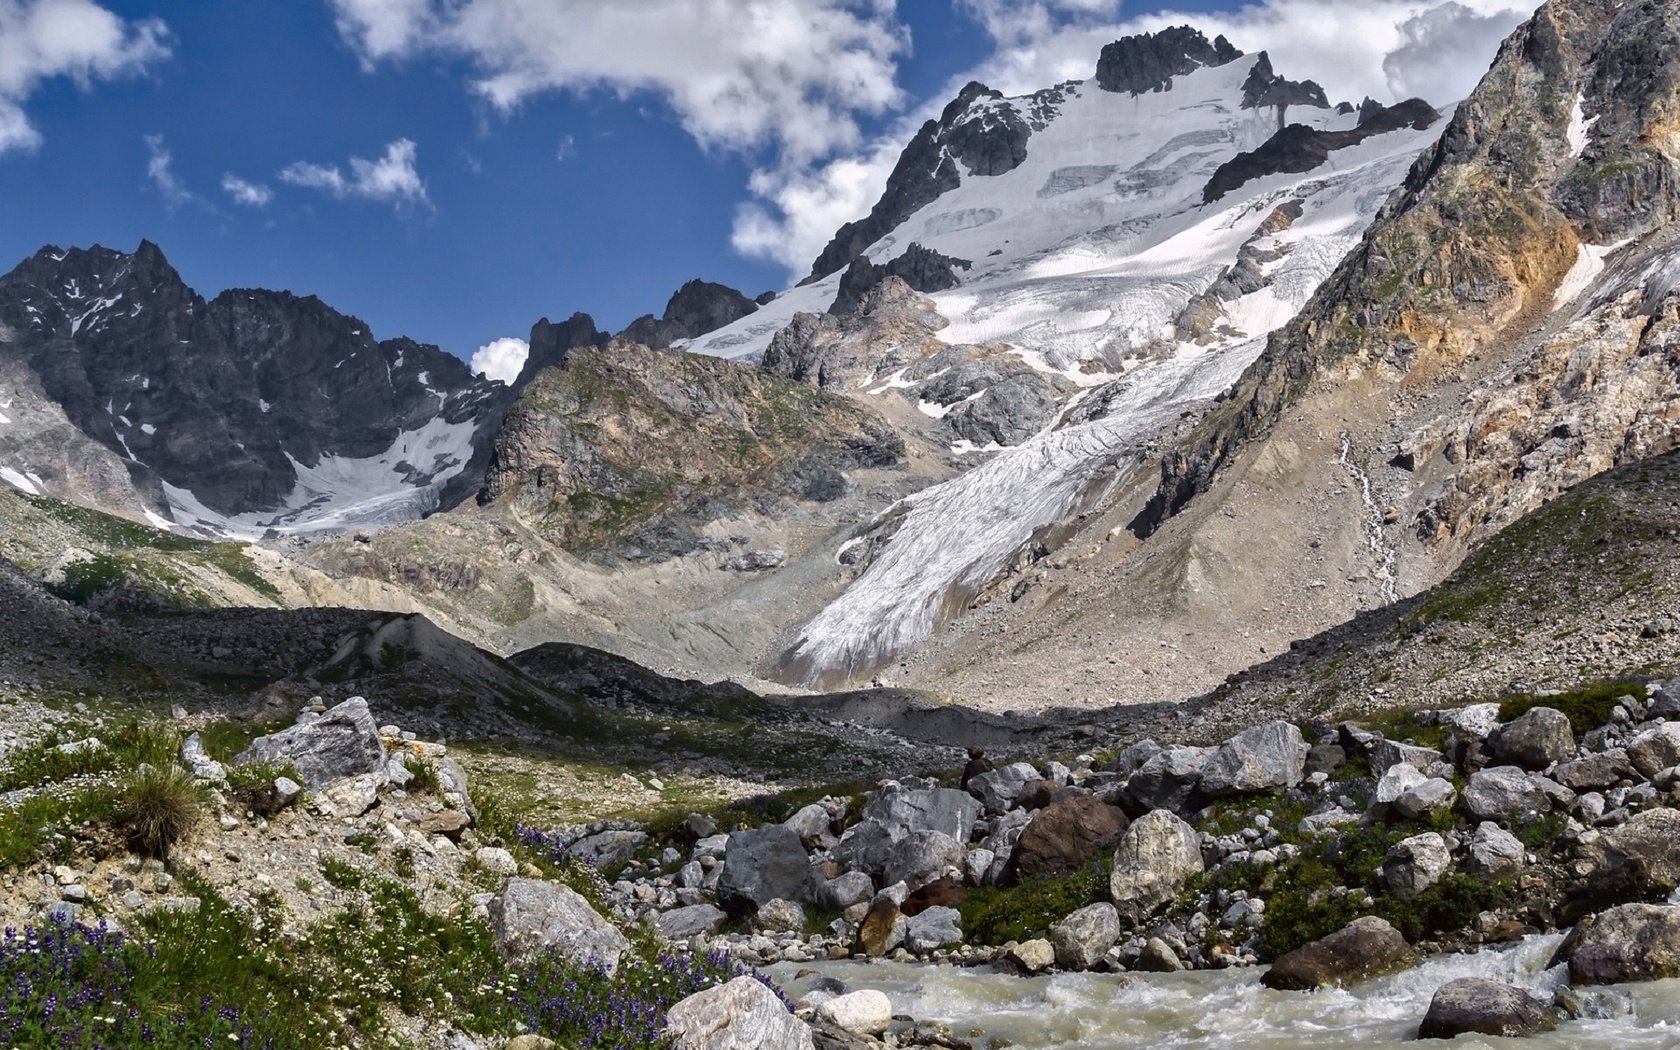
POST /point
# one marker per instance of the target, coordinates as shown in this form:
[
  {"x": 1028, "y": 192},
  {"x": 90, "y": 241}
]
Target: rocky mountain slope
[{"x": 229, "y": 416}]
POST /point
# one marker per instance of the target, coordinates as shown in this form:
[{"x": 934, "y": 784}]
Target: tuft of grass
[
  {"x": 157, "y": 808},
  {"x": 996, "y": 914}
]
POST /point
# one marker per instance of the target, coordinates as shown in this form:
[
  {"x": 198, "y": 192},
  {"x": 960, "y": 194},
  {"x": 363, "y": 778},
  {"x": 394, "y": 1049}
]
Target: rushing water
[{"x": 1229, "y": 1009}]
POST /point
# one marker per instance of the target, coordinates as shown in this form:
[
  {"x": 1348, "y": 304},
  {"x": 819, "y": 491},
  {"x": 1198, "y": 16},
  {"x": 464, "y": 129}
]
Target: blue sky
[{"x": 452, "y": 171}]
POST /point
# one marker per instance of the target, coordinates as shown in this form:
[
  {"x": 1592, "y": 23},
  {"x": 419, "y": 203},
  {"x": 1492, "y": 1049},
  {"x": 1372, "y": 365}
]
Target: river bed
[{"x": 1230, "y": 1009}]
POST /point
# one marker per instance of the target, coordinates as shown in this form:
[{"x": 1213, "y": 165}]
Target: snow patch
[
  {"x": 264, "y": 406},
  {"x": 1579, "y": 127},
  {"x": 1589, "y": 263},
  {"x": 147, "y": 429},
  {"x": 18, "y": 481}
]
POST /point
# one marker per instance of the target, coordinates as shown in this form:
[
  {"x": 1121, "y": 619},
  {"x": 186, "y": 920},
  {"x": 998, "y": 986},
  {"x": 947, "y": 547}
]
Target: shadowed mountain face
[{"x": 256, "y": 409}]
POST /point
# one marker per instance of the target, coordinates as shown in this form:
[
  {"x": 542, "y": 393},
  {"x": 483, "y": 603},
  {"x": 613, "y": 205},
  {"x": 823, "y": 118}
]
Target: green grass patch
[
  {"x": 997, "y": 914},
  {"x": 1589, "y": 706}
]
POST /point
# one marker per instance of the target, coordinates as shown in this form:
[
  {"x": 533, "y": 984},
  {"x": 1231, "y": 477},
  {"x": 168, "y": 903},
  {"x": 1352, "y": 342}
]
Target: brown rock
[
  {"x": 1064, "y": 835},
  {"x": 882, "y": 929},
  {"x": 938, "y": 893},
  {"x": 977, "y": 764},
  {"x": 1363, "y": 949},
  {"x": 449, "y": 823}
]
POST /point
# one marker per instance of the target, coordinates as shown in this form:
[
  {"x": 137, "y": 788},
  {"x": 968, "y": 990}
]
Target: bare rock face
[
  {"x": 696, "y": 308},
  {"x": 740, "y": 1015},
  {"x": 1361, "y": 950},
  {"x": 922, "y": 269},
  {"x": 342, "y": 743},
  {"x": 1147, "y": 62},
  {"x": 633, "y": 451}
]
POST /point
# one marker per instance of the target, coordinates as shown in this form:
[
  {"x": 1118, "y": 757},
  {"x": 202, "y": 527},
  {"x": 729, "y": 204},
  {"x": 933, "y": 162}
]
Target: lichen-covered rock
[
  {"x": 740, "y": 1015},
  {"x": 922, "y": 856},
  {"x": 1363, "y": 949},
  {"x": 1495, "y": 852},
  {"x": 1414, "y": 864},
  {"x": 1154, "y": 858},
  {"x": 1504, "y": 791}
]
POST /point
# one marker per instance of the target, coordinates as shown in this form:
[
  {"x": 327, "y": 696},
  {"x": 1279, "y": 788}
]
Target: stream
[{"x": 1229, "y": 1008}]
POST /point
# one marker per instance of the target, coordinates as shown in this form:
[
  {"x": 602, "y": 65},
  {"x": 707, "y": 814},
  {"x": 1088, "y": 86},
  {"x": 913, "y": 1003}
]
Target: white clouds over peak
[
  {"x": 390, "y": 179},
  {"x": 501, "y": 359},
  {"x": 42, "y": 39},
  {"x": 250, "y": 194},
  {"x": 790, "y": 75}
]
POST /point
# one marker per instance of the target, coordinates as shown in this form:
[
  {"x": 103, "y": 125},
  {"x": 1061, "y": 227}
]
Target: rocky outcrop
[
  {"x": 1267, "y": 89},
  {"x": 922, "y": 269},
  {"x": 1147, "y": 62},
  {"x": 551, "y": 343},
  {"x": 633, "y": 451},
  {"x": 1298, "y": 148},
  {"x": 694, "y": 309},
  {"x": 1365, "y": 948},
  {"x": 1155, "y": 857}
]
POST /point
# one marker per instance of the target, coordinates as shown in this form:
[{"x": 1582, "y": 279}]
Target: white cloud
[
  {"x": 162, "y": 174},
  {"x": 253, "y": 194},
  {"x": 1388, "y": 49},
  {"x": 500, "y": 359},
  {"x": 787, "y": 75},
  {"x": 392, "y": 179},
  {"x": 42, "y": 39}
]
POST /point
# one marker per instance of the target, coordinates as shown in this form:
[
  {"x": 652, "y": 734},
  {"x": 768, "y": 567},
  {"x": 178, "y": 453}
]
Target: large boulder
[
  {"x": 894, "y": 812},
  {"x": 1540, "y": 737},
  {"x": 761, "y": 865},
  {"x": 740, "y": 1015},
  {"x": 845, "y": 890},
  {"x": 1414, "y": 864},
  {"x": 530, "y": 916},
  {"x": 1633, "y": 942},
  {"x": 1154, "y": 858},
  {"x": 1435, "y": 795},
  {"x": 932, "y": 928},
  {"x": 1064, "y": 835},
  {"x": 997, "y": 789},
  {"x": 811, "y": 825},
  {"x": 1483, "y": 1007},
  {"x": 1655, "y": 749},
  {"x": 342, "y": 743},
  {"x": 1363, "y": 949},
  {"x": 1263, "y": 758},
  {"x": 1169, "y": 779},
  {"x": 1595, "y": 772},
  {"x": 1386, "y": 754},
  {"x": 883, "y": 928},
  {"x": 922, "y": 856},
  {"x": 1504, "y": 791},
  {"x": 866, "y": 1012},
  {"x": 1082, "y": 939},
  {"x": 679, "y": 924},
  {"x": 1495, "y": 852},
  {"x": 1639, "y": 860},
  {"x": 607, "y": 849}
]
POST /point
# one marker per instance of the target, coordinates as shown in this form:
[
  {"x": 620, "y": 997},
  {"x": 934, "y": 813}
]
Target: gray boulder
[
  {"x": 760, "y": 865},
  {"x": 344, "y": 742},
  {"x": 1595, "y": 772},
  {"x": 934, "y": 928},
  {"x": 1483, "y": 1007},
  {"x": 198, "y": 762},
  {"x": 740, "y": 1015},
  {"x": 1476, "y": 722},
  {"x": 997, "y": 789},
  {"x": 1495, "y": 852},
  {"x": 810, "y": 824},
  {"x": 1639, "y": 859},
  {"x": 1503, "y": 791},
  {"x": 1634, "y": 942},
  {"x": 1167, "y": 780},
  {"x": 1259, "y": 759},
  {"x": 680, "y": 924},
  {"x": 1655, "y": 749},
  {"x": 892, "y": 813},
  {"x": 1154, "y": 858},
  {"x": 1082, "y": 939},
  {"x": 1386, "y": 754},
  {"x": 1414, "y": 864},
  {"x": 530, "y": 916},
  {"x": 780, "y": 916},
  {"x": 1394, "y": 782},
  {"x": 1435, "y": 795},
  {"x": 608, "y": 849},
  {"x": 866, "y": 1012},
  {"x": 1536, "y": 740},
  {"x": 845, "y": 890},
  {"x": 922, "y": 856}
]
